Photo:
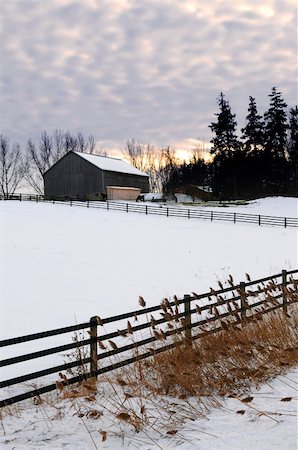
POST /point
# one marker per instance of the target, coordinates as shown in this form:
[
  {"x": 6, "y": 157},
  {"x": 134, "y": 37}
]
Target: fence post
[
  {"x": 127, "y": 207},
  {"x": 70, "y": 202},
  {"x": 285, "y": 222},
  {"x": 87, "y": 203},
  {"x": 243, "y": 302},
  {"x": 167, "y": 212},
  {"x": 187, "y": 317},
  {"x": 146, "y": 209},
  {"x": 234, "y": 217},
  {"x": 93, "y": 346},
  {"x": 20, "y": 197},
  {"x": 211, "y": 216},
  {"x": 107, "y": 204},
  {"x": 284, "y": 295},
  {"x": 188, "y": 214},
  {"x": 259, "y": 220}
]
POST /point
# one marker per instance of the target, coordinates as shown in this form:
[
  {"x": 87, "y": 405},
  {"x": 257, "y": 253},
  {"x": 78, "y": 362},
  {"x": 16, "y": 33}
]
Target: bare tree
[
  {"x": 198, "y": 152},
  {"x": 91, "y": 146},
  {"x": 49, "y": 150},
  {"x": 170, "y": 163},
  {"x": 59, "y": 143},
  {"x": 11, "y": 166},
  {"x": 136, "y": 153},
  {"x": 158, "y": 163},
  {"x": 70, "y": 143}
]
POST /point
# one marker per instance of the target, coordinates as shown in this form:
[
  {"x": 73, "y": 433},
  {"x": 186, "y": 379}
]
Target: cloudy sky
[{"x": 148, "y": 69}]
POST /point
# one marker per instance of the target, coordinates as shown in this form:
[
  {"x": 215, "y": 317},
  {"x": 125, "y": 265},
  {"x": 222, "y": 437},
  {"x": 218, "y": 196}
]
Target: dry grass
[
  {"x": 183, "y": 383},
  {"x": 168, "y": 389},
  {"x": 224, "y": 363},
  {"x": 180, "y": 385}
]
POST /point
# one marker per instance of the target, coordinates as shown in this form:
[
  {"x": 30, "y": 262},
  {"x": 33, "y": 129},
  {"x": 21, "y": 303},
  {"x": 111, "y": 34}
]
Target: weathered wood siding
[
  {"x": 126, "y": 180},
  {"x": 73, "y": 177}
]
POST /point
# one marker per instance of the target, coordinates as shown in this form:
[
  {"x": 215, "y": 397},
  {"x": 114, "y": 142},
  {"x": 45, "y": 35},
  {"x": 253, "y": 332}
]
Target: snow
[
  {"x": 148, "y": 196},
  {"x": 112, "y": 164},
  {"x": 61, "y": 265},
  {"x": 267, "y": 423},
  {"x": 269, "y": 206}
]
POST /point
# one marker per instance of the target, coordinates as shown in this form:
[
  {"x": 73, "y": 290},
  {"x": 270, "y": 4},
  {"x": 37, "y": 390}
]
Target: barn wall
[
  {"x": 126, "y": 180},
  {"x": 73, "y": 177},
  {"x": 122, "y": 193}
]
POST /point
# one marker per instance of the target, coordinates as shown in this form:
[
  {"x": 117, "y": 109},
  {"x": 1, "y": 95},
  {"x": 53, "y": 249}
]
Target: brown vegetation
[{"x": 223, "y": 363}]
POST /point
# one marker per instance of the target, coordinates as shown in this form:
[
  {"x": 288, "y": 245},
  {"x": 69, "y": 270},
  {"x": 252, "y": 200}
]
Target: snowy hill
[{"x": 62, "y": 265}]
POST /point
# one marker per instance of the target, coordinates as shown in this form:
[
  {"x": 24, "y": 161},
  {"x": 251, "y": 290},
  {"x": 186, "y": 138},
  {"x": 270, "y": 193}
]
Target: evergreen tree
[
  {"x": 293, "y": 151},
  {"x": 293, "y": 136},
  {"x": 276, "y": 125},
  {"x": 253, "y": 132},
  {"x": 225, "y": 140}
]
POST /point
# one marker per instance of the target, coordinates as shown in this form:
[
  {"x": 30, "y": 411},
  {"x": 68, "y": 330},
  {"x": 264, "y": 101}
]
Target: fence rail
[
  {"x": 162, "y": 210},
  {"x": 218, "y": 311}
]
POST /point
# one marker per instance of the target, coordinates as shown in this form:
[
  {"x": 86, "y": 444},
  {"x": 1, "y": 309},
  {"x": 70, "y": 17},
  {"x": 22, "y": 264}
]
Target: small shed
[
  {"x": 85, "y": 176},
  {"x": 122, "y": 193}
]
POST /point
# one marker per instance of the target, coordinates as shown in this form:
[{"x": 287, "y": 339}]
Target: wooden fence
[
  {"x": 162, "y": 210},
  {"x": 189, "y": 318}
]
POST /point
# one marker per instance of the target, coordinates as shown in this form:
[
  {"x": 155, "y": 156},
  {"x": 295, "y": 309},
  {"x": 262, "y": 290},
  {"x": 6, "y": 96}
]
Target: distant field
[{"x": 61, "y": 264}]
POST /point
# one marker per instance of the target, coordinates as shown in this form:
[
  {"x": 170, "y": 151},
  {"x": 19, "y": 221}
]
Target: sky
[{"x": 145, "y": 69}]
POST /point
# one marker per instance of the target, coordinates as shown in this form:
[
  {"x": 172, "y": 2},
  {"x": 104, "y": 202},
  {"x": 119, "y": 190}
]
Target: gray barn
[{"x": 84, "y": 176}]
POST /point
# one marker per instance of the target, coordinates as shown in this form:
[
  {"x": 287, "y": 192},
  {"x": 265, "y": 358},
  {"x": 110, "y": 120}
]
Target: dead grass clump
[{"x": 222, "y": 363}]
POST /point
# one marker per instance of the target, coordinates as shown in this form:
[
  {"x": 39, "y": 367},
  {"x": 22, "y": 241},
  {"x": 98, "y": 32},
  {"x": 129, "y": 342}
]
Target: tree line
[
  {"x": 262, "y": 161},
  {"x": 30, "y": 163}
]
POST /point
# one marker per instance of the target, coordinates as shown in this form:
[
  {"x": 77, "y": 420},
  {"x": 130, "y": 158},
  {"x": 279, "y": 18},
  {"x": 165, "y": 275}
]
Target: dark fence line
[
  {"x": 161, "y": 210},
  {"x": 235, "y": 302}
]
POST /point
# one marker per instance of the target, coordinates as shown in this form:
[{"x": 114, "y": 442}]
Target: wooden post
[
  {"x": 284, "y": 296},
  {"x": 243, "y": 301},
  {"x": 234, "y": 217},
  {"x": 93, "y": 346},
  {"x": 146, "y": 209},
  {"x": 188, "y": 214},
  {"x": 87, "y": 203},
  {"x": 285, "y": 222},
  {"x": 107, "y": 204},
  {"x": 211, "y": 216},
  {"x": 127, "y": 207},
  {"x": 167, "y": 212},
  {"x": 187, "y": 317},
  {"x": 259, "y": 220}
]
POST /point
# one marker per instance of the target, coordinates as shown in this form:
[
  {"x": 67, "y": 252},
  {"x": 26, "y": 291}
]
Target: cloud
[{"x": 152, "y": 70}]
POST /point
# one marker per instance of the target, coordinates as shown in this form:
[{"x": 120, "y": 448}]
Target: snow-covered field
[
  {"x": 270, "y": 206},
  {"x": 61, "y": 265}
]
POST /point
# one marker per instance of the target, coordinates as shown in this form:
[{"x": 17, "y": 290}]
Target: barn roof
[{"x": 111, "y": 164}]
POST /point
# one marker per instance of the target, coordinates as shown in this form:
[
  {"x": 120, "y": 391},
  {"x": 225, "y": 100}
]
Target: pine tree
[
  {"x": 225, "y": 140},
  {"x": 253, "y": 132},
  {"x": 293, "y": 151},
  {"x": 293, "y": 136},
  {"x": 276, "y": 125}
]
